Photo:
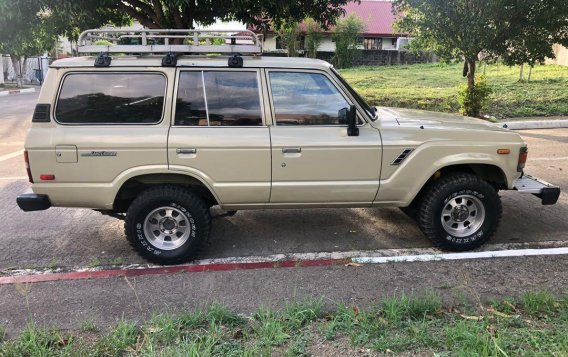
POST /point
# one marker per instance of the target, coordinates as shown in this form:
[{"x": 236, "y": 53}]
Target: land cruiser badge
[{"x": 99, "y": 153}]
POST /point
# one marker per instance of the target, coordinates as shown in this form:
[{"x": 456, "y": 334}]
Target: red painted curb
[{"x": 114, "y": 273}]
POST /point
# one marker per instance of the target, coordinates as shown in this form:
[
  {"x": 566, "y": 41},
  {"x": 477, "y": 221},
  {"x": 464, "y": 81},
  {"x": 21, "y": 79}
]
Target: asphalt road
[{"x": 79, "y": 237}]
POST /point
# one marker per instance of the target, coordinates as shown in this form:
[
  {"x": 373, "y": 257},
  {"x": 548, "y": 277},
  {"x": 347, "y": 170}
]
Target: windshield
[{"x": 366, "y": 107}]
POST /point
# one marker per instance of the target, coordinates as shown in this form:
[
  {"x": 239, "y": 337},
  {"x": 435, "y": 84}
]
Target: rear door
[
  {"x": 314, "y": 161},
  {"x": 219, "y": 134}
]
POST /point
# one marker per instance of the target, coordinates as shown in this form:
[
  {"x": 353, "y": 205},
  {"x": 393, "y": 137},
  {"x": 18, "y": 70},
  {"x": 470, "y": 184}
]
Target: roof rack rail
[{"x": 169, "y": 41}]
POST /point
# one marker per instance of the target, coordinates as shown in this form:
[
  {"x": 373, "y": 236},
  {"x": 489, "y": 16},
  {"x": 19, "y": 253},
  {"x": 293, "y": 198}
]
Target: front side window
[
  {"x": 111, "y": 98},
  {"x": 218, "y": 98},
  {"x": 302, "y": 98}
]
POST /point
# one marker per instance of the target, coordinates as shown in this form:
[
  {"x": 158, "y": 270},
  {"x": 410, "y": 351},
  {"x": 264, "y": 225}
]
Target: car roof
[{"x": 197, "y": 61}]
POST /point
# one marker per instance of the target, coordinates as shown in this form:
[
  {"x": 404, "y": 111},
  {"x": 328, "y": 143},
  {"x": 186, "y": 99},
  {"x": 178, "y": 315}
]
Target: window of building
[
  {"x": 302, "y": 98},
  {"x": 230, "y": 98},
  {"x": 111, "y": 98},
  {"x": 372, "y": 43}
]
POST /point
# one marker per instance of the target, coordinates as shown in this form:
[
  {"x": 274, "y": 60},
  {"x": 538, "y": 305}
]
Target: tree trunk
[
  {"x": 17, "y": 70},
  {"x": 521, "y": 76},
  {"x": 471, "y": 73},
  {"x": 530, "y": 73}
]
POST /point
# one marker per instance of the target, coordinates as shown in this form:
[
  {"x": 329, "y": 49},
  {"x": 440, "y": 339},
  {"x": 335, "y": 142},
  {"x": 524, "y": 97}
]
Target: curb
[
  {"x": 17, "y": 91},
  {"x": 535, "y": 124}
]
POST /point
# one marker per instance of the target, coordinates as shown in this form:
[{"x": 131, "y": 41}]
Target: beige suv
[{"x": 158, "y": 138}]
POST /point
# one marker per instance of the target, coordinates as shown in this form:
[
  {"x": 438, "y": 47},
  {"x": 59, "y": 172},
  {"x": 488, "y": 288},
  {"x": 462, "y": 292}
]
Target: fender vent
[
  {"x": 41, "y": 113},
  {"x": 403, "y": 155}
]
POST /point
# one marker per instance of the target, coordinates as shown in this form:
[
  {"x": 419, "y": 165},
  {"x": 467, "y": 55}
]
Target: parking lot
[{"x": 80, "y": 237}]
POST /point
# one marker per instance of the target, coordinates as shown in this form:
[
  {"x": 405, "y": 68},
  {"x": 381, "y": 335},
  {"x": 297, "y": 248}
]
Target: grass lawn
[
  {"x": 535, "y": 325},
  {"x": 434, "y": 87}
]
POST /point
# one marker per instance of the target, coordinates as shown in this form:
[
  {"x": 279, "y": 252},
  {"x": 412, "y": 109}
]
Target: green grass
[
  {"x": 434, "y": 87},
  {"x": 534, "y": 325}
]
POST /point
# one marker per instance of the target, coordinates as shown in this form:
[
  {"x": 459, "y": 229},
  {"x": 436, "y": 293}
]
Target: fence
[
  {"x": 33, "y": 73},
  {"x": 383, "y": 57},
  {"x": 373, "y": 57}
]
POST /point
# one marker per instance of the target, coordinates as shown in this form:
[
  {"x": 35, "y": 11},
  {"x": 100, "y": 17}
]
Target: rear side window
[
  {"x": 218, "y": 98},
  {"x": 111, "y": 98}
]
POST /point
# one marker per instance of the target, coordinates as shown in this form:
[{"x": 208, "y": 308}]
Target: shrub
[
  {"x": 314, "y": 36},
  {"x": 473, "y": 99},
  {"x": 346, "y": 37}
]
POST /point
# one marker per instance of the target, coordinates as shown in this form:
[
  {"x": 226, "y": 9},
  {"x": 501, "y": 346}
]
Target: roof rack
[{"x": 169, "y": 41}]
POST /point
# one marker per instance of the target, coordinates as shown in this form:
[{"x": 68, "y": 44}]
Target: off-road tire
[
  {"x": 439, "y": 195},
  {"x": 179, "y": 198}
]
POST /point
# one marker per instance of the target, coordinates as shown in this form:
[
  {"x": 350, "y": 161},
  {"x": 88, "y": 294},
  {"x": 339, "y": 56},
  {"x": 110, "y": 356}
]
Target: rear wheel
[
  {"x": 460, "y": 212},
  {"x": 167, "y": 224}
]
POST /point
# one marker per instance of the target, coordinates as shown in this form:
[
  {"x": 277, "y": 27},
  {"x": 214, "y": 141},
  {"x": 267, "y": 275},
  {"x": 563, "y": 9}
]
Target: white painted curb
[
  {"x": 17, "y": 91},
  {"x": 462, "y": 256},
  {"x": 535, "y": 124}
]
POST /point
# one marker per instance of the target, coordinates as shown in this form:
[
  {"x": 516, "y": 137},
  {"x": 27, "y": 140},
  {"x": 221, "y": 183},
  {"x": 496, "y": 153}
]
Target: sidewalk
[
  {"x": 12, "y": 90},
  {"x": 527, "y": 123}
]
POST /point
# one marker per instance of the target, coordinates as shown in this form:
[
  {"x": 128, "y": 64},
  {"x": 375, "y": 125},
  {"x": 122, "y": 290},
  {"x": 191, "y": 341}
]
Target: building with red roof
[{"x": 379, "y": 32}]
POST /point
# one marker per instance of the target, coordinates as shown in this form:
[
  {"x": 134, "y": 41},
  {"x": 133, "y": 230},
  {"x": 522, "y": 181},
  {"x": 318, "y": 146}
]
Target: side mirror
[{"x": 352, "y": 129}]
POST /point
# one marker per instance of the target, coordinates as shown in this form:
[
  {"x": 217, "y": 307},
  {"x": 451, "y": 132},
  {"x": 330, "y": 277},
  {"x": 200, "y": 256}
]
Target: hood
[{"x": 427, "y": 119}]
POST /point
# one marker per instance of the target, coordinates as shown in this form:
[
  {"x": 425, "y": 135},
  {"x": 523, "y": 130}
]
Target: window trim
[
  {"x": 111, "y": 73},
  {"x": 332, "y": 81},
  {"x": 216, "y": 69}
]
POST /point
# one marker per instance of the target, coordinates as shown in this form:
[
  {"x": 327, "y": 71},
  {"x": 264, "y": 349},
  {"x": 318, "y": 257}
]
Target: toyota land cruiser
[{"x": 161, "y": 136}]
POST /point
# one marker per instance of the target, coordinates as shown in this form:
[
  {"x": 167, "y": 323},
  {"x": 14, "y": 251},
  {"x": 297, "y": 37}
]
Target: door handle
[
  {"x": 291, "y": 150},
  {"x": 186, "y": 151}
]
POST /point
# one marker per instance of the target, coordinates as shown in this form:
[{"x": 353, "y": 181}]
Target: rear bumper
[
  {"x": 32, "y": 202},
  {"x": 548, "y": 193}
]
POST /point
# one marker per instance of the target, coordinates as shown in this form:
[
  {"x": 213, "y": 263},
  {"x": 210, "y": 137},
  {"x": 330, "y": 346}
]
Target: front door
[
  {"x": 219, "y": 135},
  {"x": 314, "y": 161}
]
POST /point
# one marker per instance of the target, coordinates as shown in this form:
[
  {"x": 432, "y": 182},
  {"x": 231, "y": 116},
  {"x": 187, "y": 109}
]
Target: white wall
[
  {"x": 269, "y": 43},
  {"x": 561, "y": 54},
  {"x": 327, "y": 45},
  {"x": 28, "y": 72}
]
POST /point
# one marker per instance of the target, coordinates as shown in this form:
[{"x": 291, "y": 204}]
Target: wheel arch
[
  {"x": 491, "y": 173},
  {"x": 135, "y": 185}
]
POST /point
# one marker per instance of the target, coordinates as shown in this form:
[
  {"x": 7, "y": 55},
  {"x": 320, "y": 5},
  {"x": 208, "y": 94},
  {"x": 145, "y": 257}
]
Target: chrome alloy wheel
[
  {"x": 463, "y": 215},
  {"x": 167, "y": 228}
]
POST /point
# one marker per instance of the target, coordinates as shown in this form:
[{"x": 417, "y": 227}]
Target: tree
[
  {"x": 346, "y": 37},
  {"x": 32, "y": 27},
  {"x": 23, "y": 33},
  {"x": 69, "y": 18},
  {"x": 546, "y": 23},
  {"x": 314, "y": 37},
  {"x": 465, "y": 29},
  {"x": 183, "y": 14},
  {"x": 289, "y": 33}
]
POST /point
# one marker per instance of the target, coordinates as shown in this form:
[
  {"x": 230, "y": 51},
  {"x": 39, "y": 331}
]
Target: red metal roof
[{"x": 377, "y": 15}]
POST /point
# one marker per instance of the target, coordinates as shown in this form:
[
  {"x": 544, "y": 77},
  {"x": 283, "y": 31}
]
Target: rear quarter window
[{"x": 111, "y": 98}]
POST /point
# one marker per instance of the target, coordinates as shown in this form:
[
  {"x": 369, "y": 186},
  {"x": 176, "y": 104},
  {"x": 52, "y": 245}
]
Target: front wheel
[
  {"x": 167, "y": 224},
  {"x": 460, "y": 212}
]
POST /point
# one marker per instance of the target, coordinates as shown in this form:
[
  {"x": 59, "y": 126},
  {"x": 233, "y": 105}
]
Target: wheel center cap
[
  {"x": 460, "y": 213},
  {"x": 169, "y": 224}
]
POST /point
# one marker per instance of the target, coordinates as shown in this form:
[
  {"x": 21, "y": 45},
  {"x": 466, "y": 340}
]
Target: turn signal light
[
  {"x": 47, "y": 177},
  {"x": 503, "y": 151},
  {"x": 29, "y": 171}
]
